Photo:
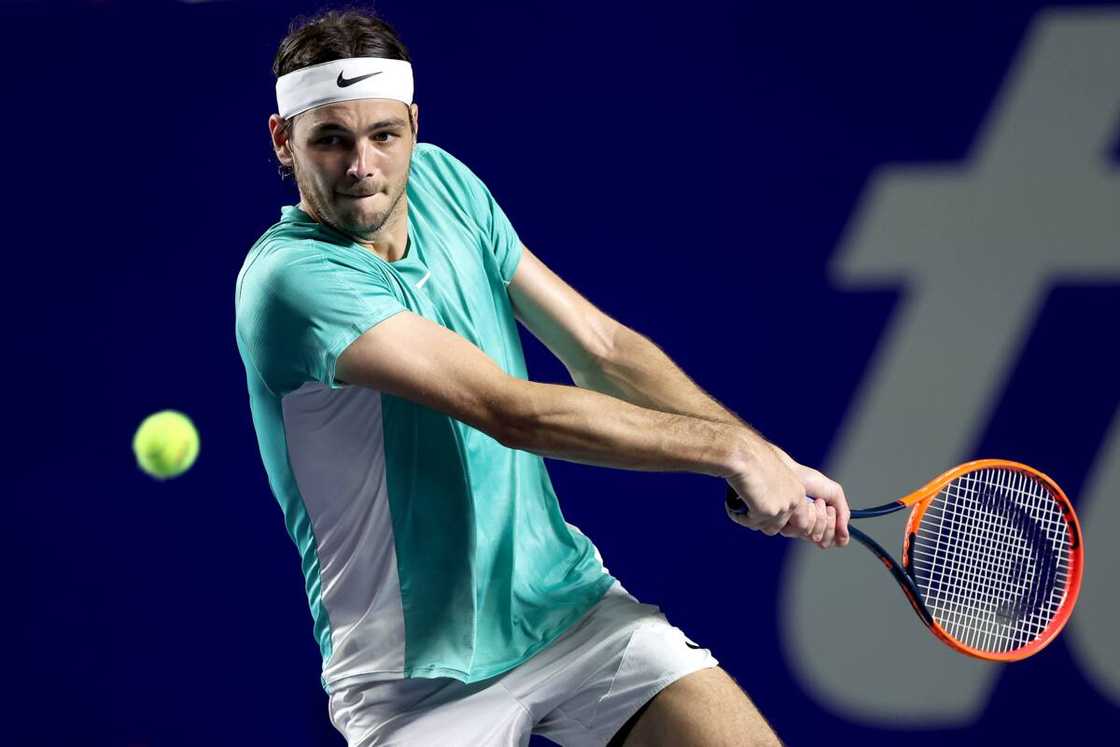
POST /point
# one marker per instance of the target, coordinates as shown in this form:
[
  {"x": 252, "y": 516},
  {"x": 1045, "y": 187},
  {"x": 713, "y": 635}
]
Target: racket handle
[{"x": 736, "y": 505}]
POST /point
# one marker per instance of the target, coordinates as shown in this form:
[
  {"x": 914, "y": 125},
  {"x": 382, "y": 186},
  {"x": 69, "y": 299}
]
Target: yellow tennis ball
[{"x": 166, "y": 444}]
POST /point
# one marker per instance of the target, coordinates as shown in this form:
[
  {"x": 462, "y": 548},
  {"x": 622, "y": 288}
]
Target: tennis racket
[{"x": 992, "y": 557}]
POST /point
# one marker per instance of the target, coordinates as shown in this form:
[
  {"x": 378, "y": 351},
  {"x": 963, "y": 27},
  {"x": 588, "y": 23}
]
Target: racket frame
[
  {"x": 903, "y": 573},
  {"x": 921, "y": 499}
]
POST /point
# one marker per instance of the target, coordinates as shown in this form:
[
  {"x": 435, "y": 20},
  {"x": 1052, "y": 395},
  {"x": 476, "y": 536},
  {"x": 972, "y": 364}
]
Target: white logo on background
[{"x": 974, "y": 247}]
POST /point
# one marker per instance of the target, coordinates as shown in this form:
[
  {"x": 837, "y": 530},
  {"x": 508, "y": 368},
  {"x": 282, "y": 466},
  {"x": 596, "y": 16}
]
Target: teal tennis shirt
[{"x": 428, "y": 548}]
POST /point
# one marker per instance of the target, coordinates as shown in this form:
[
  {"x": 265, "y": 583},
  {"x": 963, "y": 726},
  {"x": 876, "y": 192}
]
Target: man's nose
[{"x": 362, "y": 160}]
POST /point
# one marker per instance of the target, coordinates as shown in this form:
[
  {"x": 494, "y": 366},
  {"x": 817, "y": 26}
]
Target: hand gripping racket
[{"x": 992, "y": 557}]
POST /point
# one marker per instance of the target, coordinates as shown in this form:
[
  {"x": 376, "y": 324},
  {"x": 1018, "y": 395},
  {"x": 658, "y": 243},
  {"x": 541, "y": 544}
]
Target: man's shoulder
[
  {"x": 437, "y": 168},
  {"x": 294, "y": 236},
  {"x": 279, "y": 255},
  {"x": 440, "y": 159},
  {"x": 428, "y": 152}
]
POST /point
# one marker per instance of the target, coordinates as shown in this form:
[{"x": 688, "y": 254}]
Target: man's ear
[
  {"x": 415, "y": 121},
  {"x": 279, "y": 140}
]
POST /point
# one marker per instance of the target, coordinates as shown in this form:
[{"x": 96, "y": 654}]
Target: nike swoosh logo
[{"x": 343, "y": 81}]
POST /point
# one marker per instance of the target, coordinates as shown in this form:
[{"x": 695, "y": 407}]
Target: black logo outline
[{"x": 343, "y": 81}]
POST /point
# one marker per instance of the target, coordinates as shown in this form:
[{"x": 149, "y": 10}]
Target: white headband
[{"x": 343, "y": 80}]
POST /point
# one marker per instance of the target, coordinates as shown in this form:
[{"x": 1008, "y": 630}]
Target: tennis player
[{"x": 377, "y": 322}]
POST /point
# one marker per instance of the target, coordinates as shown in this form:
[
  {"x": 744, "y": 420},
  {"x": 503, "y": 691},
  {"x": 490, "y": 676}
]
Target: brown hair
[{"x": 335, "y": 34}]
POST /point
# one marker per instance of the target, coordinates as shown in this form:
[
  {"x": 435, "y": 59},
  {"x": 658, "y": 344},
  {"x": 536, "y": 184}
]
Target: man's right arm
[{"x": 414, "y": 358}]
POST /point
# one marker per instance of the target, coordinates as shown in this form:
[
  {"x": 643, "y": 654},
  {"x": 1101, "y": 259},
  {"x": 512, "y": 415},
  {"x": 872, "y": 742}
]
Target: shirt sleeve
[
  {"x": 503, "y": 239},
  {"x": 497, "y": 231},
  {"x": 299, "y": 310}
]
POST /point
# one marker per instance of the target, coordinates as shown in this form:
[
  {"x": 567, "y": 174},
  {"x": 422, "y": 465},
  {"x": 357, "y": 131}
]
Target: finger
[
  {"x": 773, "y": 525},
  {"x": 815, "y": 520},
  {"x": 790, "y": 530},
  {"x": 823, "y": 521},
  {"x": 804, "y": 520},
  {"x": 754, "y": 520},
  {"x": 747, "y": 519},
  {"x": 843, "y": 516},
  {"x": 784, "y": 523},
  {"x": 830, "y": 528},
  {"x": 833, "y": 494}
]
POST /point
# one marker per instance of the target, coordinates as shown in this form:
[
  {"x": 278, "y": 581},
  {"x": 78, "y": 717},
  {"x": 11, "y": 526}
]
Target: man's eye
[{"x": 336, "y": 139}]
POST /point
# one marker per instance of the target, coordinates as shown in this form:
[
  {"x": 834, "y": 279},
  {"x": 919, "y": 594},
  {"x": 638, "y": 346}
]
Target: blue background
[{"x": 687, "y": 167}]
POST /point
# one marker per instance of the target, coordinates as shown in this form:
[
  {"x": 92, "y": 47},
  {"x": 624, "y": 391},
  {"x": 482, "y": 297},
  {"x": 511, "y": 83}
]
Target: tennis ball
[{"x": 165, "y": 444}]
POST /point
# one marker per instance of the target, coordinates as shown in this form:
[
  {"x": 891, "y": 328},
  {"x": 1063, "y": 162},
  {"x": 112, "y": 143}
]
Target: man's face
[{"x": 351, "y": 162}]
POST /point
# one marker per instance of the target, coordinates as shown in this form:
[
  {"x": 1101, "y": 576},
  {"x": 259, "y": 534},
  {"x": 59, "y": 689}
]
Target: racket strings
[
  {"x": 1017, "y": 590},
  {"x": 992, "y": 558}
]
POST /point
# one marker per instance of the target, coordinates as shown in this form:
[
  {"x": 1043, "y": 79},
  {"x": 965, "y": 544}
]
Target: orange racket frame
[{"x": 919, "y": 501}]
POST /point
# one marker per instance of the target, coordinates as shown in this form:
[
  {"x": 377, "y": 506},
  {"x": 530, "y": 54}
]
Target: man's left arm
[
  {"x": 638, "y": 371},
  {"x": 606, "y": 356}
]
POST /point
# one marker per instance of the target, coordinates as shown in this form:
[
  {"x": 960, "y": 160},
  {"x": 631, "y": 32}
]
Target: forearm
[
  {"x": 581, "y": 425},
  {"x": 639, "y": 372}
]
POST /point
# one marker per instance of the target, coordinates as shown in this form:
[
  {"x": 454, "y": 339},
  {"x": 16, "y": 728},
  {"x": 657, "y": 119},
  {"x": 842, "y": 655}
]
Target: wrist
[{"x": 743, "y": 454}]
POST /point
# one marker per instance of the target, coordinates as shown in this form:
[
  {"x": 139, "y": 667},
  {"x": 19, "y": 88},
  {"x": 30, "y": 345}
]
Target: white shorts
[{"x": 578, "y": 691}]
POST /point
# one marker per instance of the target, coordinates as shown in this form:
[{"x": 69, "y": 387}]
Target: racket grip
[{"x": 736, "y": 505}]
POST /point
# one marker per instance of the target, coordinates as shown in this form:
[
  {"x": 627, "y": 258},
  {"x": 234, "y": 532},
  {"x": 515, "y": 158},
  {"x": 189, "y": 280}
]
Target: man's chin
[{"x": 360, "y": 228}]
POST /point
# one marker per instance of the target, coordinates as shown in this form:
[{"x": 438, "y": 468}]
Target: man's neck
[{"x": 391, "y": 245}]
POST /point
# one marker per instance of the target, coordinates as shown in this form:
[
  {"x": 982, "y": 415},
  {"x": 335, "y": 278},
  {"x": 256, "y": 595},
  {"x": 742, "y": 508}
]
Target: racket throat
[{"x": 901, "y": 575}]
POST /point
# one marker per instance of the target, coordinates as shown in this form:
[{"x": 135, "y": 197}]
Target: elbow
[
  {"x": 513, "y": 422},
  {"x": 609, "y": 338},
  {"x": 599, "y": 353},
  {"x": 618, "y": 347}
]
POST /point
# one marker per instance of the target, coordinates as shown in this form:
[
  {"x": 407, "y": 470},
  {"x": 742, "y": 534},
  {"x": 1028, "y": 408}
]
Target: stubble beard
[{"x": 366, "y": 232}]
